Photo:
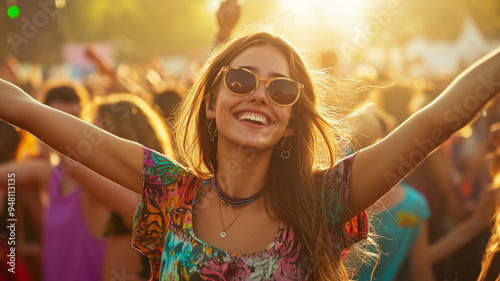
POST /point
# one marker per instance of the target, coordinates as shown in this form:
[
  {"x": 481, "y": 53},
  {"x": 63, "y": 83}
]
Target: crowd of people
[{"x": 251, "y": 170}]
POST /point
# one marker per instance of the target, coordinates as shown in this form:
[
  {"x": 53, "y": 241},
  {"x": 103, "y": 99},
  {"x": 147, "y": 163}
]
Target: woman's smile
[{"x": 253, "y": 118}]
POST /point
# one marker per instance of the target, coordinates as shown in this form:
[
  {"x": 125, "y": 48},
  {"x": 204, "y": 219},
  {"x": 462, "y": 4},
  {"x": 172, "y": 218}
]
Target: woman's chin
[{"x": 257, "y": 142}]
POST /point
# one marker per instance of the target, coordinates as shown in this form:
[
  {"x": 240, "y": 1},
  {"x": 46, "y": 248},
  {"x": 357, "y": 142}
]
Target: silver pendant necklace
[{"x": 223, "y": 233}]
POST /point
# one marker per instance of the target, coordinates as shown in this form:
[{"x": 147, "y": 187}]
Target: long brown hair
[{"x": 293, "y": 186}]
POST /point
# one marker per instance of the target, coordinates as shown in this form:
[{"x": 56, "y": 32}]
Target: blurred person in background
[
  {"x": 131, "y": 118},
  {"x": 457, "y": 251},
  {"x": 468, "y": 231},
  {"x": 165, "y": 104}
]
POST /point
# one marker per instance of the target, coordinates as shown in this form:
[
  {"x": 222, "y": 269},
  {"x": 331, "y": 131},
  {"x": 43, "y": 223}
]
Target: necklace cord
[
  {"x": 234, "y": 201},
  {"x": 204, "y": 183},
  {"x": 223, "y": 233}
]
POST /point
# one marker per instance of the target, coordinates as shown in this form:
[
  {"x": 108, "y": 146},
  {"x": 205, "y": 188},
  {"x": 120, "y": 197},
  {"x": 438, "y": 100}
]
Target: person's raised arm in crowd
[
  {"x": 470, "y": 228},
  {"x": 227, "y": 17}
]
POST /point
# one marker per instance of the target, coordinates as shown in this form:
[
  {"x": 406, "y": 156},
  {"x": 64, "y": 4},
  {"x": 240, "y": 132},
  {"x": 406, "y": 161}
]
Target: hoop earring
[
  {"x": 286, "y": 146},
  {"x": 212, "y": 130}
]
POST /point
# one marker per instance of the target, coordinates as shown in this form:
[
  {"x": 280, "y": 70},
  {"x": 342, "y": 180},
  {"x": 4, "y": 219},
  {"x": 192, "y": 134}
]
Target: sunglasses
[{"x": 281, "y": 91}]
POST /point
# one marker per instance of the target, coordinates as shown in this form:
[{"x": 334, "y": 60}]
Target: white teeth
[{"x": 252, "y": 117}]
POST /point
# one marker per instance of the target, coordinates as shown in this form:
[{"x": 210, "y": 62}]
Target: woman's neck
[{"x": 242, "y": 171}]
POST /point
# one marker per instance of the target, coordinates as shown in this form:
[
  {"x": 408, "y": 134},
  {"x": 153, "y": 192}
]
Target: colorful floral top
[{"x": 163, "y": 230}]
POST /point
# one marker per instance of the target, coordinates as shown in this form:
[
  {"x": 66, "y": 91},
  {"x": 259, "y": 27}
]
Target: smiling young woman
[{"x": 247, "y": 156}]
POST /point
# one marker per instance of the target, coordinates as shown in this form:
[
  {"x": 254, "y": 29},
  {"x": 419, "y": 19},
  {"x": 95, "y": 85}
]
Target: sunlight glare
[
  {"x": 213, "y": 5},
  {"x": 341, "y": 14}
]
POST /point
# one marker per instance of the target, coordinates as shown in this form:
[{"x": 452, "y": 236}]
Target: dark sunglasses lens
[
  {"x": 282, "y": 92},
  {"x": 240, "y": 81}
]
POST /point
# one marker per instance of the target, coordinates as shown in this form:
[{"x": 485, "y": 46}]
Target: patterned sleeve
[
  {"x": 337, "y": 191},
  {"x": 161, "y": 178}
]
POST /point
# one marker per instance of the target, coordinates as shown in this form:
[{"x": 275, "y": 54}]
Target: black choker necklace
[{"x": 234, "y": 201}]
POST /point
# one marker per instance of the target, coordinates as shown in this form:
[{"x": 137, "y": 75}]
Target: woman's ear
[{"x": 209, "y": 106}]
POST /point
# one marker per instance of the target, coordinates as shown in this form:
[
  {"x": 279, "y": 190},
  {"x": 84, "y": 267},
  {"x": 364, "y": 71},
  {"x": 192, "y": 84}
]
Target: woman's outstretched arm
[
  {"x": 379, "y": 167},
  {"x": 115, "y": 158}
]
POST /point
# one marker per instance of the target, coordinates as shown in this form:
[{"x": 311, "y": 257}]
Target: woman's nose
[{"x": 259, "y": 95}]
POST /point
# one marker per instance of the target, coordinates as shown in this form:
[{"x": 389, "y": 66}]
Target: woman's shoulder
[
  {"x": 338, "y": 173},
  {"x": 161, "y": 169}
]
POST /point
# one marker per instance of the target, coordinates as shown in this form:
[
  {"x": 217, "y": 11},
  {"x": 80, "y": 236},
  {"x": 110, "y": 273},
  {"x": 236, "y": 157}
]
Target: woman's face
[{"x": 253, "y": 120}]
